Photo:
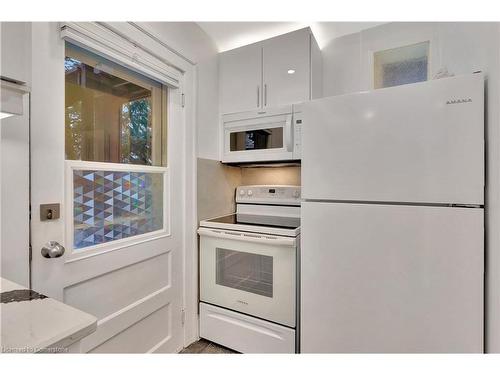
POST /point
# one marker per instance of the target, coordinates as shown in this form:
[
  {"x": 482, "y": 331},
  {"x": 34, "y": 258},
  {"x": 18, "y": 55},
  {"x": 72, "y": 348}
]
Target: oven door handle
[{"x": 248, "y": 237}]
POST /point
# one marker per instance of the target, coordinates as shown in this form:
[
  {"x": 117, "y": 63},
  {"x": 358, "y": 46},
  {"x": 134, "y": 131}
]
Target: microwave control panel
[{"x": 297, "y": 134}]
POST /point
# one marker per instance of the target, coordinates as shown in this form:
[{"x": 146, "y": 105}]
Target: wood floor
[{"x": 203, "y": 346}]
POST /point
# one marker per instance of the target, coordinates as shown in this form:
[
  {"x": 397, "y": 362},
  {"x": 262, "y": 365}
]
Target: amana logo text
[{"x": 459, "y": 101}]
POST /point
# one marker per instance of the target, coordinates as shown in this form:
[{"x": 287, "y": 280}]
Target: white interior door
[
  {"x": 132, "y": 282},
  {"x": 391, "y": 278}
]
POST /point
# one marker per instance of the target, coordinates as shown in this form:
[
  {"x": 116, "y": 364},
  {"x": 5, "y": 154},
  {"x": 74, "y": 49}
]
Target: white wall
[
  {"x": 193, "y": 43},
  {"x": 14, "y": 165},
  {"x": 15, "y": 197},
  {"x": 461, "y": 48},
  {"x": 207, "y": 117}
]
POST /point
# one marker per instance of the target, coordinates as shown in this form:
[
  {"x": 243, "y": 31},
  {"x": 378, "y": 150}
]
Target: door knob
[{"x": 52, "y": 249}]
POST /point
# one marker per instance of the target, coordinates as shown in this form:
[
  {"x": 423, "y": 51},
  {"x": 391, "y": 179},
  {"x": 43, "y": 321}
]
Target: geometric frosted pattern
[{"x": 111, "y": 205}]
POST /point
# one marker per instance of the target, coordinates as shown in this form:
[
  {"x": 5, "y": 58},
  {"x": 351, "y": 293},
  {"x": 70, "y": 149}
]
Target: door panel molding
[
  {"x": 116, "y": 323},
  {"x": 121, "y": 285},
  {"x": 143, "y": 334},
  {"x": 111, "y": 261}
]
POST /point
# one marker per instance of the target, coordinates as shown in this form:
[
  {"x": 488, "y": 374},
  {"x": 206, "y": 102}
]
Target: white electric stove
[{"x": 248, "y": 272}]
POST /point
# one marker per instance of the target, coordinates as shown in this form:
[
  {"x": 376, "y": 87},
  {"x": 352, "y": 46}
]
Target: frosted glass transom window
[
  {"x": 112, "y": 205},
  {"x": 402, "y": 65}
]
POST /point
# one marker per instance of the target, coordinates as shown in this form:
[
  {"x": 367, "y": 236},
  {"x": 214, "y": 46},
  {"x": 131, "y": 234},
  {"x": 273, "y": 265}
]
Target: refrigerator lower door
[{"x": 391, "y": 278}]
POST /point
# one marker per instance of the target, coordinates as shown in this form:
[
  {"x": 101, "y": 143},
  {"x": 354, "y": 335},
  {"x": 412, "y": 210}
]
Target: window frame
[
  {"x": 164, "y": 111},
  {"x": 373, "y": 65},
  {"x": 159, "y": 99},
  {"x": 84, "y": 252}
]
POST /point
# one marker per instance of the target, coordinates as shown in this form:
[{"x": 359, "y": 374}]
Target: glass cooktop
[{"x": 259, "y": 220}]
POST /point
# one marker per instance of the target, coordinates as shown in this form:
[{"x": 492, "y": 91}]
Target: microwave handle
[
  {"x": 288, "y": 133},
  {"x": 255, "y": 238}
]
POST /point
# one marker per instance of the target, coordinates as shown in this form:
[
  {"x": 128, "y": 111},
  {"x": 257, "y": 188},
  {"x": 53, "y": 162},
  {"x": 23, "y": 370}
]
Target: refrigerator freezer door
[
  {"x": 422, "y": 142},
  {"x": 391, "y": 278}
]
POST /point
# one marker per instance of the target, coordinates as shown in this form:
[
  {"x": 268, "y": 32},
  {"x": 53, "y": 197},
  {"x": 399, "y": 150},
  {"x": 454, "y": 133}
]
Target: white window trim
[
  {"x": 409, "y": 42},
  {"x": 371, "y": 46},
  {"x": 373, "y": 53},
  {"x": 86, "y": 252},
  {"x": 102, "y": 40}
]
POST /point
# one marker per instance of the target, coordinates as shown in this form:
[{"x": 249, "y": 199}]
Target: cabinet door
[
  {"x": 286, "y": 69},
  {"x": 240, "y": 78},
  {"x": 15, "y": 45}
]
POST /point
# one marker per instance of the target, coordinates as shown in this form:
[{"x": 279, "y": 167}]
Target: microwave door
[
  {"x": 259, "y": 138},
  {"x": 259, "y": 144}
]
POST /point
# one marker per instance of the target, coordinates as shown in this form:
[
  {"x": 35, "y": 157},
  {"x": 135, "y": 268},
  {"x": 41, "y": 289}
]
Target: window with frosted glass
[
  {"x": 112, "y": 114},
  {"x": 112, "y": 205},
  {"x": 400, "y": 66}
]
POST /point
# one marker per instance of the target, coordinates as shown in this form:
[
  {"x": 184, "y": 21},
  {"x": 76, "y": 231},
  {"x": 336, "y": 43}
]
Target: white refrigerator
[{"x": 392, "y": 256}]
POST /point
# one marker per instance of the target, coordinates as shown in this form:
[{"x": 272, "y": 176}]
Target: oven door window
[
  {"x": 258, "y": 139},
  {"x": 249, "y": 272}
]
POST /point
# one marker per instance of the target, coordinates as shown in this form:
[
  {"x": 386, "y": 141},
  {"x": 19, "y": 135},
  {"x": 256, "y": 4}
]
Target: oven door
[
  {"x": 250, "y": 273},
  {"x": 258, "y": 136}
]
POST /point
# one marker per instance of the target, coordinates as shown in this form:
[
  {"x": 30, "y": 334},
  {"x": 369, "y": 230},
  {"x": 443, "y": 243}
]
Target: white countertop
[{"x": 31, "y": 322}]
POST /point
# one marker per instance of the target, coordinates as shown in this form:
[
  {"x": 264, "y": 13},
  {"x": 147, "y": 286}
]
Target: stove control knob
[
  {"x": 296, "y": 194},
  {"x": 249, "y": 193},
  {"x": 242, "y": 192}
]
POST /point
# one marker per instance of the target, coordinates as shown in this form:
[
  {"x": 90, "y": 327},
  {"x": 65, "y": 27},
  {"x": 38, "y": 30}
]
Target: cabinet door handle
[
  {"x": 258, "y": 96},
  {"x": 265, "y": 95}
]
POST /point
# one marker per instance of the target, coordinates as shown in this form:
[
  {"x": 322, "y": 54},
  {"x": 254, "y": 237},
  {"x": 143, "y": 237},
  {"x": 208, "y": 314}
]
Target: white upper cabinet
[
  {"x": 286, "y": 69},
  {"x": 241, "y": 79},
  {"x": 15, "y": 42},
  {"x": 282, "y": 70}
]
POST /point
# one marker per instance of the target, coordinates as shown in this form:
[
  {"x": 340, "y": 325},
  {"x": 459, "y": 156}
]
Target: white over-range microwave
[{"x": 272, "y": 134}]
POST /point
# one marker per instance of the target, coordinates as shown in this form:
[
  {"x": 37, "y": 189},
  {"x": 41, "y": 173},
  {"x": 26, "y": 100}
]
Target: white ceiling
[{"x": 229, "y": 35}]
